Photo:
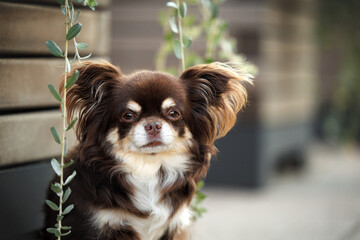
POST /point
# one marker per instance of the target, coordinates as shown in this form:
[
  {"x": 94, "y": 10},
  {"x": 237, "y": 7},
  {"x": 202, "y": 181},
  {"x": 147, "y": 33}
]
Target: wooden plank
[
  {"x": 24, "y": 29},
  {"x": 23, "y": 82},
  {"x": 26, "y": 137}
]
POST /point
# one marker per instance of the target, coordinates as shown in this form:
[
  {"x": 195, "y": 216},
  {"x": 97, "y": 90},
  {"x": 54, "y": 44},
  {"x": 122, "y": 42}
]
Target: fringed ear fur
[
  {"x": 87, "y": 97},
  {"x": 216, "y": 93}
]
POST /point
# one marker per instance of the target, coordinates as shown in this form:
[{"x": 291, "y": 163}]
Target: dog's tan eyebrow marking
[
  {"x": 133, "y": 106},
  {"x": 167, "y": 103}
]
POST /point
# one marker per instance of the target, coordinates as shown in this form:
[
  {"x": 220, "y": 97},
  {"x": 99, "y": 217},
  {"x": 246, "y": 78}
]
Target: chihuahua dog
[{"x": 144, "y": 141}]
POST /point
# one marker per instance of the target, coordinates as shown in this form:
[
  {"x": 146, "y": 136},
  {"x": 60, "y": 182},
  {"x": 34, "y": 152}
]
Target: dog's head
[{"x": 152, "y": 112}]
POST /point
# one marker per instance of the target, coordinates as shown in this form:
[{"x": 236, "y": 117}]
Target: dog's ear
[
  {"x": 216, "y": 93},
  {"x": 89, "y": 97}
]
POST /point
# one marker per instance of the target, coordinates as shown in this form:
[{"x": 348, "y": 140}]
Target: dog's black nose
[{"x": 153, "y": 128}]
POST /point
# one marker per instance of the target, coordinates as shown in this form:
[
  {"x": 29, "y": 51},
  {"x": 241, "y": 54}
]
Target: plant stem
[
  {"x": 63, "y": 116},
  {"x": 181, "y": 37}
]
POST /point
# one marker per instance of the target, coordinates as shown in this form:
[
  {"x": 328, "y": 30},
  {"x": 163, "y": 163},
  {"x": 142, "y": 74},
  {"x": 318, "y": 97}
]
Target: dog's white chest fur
[{"x": 147, "y": 198}]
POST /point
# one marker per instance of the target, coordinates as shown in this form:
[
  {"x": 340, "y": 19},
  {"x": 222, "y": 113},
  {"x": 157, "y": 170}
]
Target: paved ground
[{"x": 323, "y": 203}]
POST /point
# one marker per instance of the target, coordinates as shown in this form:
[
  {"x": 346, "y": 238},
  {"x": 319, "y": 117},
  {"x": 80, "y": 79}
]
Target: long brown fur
[{"x": 209, "y": 96}]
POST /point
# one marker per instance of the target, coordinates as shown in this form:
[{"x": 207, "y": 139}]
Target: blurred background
[{"x": 290, "y": 168}]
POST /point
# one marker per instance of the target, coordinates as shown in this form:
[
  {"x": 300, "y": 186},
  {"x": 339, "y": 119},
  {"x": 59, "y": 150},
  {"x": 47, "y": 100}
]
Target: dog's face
[{"x": 151, "y": 112}]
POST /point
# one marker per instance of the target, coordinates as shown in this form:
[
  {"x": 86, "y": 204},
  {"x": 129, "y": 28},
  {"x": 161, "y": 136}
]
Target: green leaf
[
  {"x": 72, "y": 12},
  {"x": 68, "y": 209},
  {"x": 69, "y": 163},
  {"x": 65, "y": 146},
  {"x": 57, "y": 233},
  {"x": 172, "y": 4},
  {"x": 55, "y": 134},
  {"x": 81, "y": 45},
  {"x": 214, "y": 10},
  {"x": 61, "y": 2},
  {"x": 72, "y": 79},
  {"x": 187, "y": 41},
  {"x": 177, "y": 48},
  {"x": 56, "y": 187},
  {"x": 54, "y": 48},
  {"x": 173, "y": 25},
  {"x": 71, "y": 177},
  {"x": 200, "y": 185},
  {"x": 200, "y": 196},
  {"x": 54, "y": 92},
  {"x": 63, "y": 9},
  {"x": 68, "y": 66},
  {"x": 52, "y": 205},
  {"x": 65, "y": 234},
  {"x": 66, "y": 227},
  {"x": 56, "y": 166},
  {"x": 183, "y": 9},
  {"x": 79, "y": 1},
  {"x": 66, "y": 194},
  {"x": 59, "y": 217},
  {"x": 73, "y": 31},
  {"x": 77, "y": 15},
  {"x": 72, "y": 124},
  {"x": 53, "y": 231},
  {"x": 86, "y": 57}
]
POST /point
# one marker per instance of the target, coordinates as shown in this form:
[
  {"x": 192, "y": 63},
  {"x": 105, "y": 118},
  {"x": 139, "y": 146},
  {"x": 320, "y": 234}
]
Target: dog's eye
[
  {"x": 173, "y": 115},
  {"x": 129, "y": 117}
]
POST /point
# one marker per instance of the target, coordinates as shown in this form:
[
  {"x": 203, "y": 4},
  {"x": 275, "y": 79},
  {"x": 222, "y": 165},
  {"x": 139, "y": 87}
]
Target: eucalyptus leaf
[
  {"x": 214, "y": 10},
  {"x": 52, "y": 205},
  {"x": 55, "y": 134},
  {"x": 183, "y": 10},
  {"x": 65, "y": 234},
  {"x": 172, "y": 4},
  {"x": 68, "y": 66},
  {"x": 54, "y": 48},
  {"x": 59, "y": 217},
  {"x": 71, "y": 177},
  {"x": 56, "y": 166},
  {"x": 68, "y": 209},
  {"x": 65, "y": 146},
  {"x": 63, "y": 9},
  {"x": 73, "y": 31},
  {"x": 86, "y": 57},
  {"x": 69, "y": 163},
  {"x": 177, "y": 48},
  {"x": 61, "y": 2},
  {"x": 72, "y": 124},
  {"x": 187, "y": 41},
  {"x": 173, "y": 25},
  {"x": 81, "y": 45},
  {"x": 72, "y": 79},
  {"x": 66, "y": 194},
  {"x": 52, "y": 230},
  {"x": 54, "y": 92},
  {"x": 72, "y": 12},
  {"x": 56, "y": 188},
  {"x": 57, "y": 233},
  {"x": 77, "y": 16}
]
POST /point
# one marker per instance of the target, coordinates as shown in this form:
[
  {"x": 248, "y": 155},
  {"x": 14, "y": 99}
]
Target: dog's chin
[{"x": 153, "y": 147}]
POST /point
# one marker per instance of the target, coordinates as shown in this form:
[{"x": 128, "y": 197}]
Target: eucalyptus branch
[
  {"x": 181, "y": 34},
  {"x": 58, "y": 187},
  {"x": 182, "y": 42}
]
